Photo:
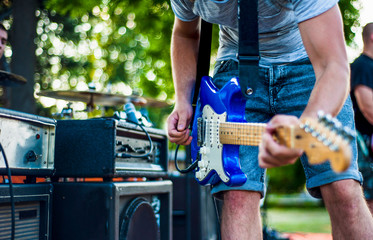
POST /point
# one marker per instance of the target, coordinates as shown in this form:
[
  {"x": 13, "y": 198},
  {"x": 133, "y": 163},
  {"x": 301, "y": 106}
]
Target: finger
[
  {"x": 183, "y": 123},
  {"x": 172, "y": 122},
  {"x": 182, "y": 138},
  {"x": 280, "y": 120},
  {"x": 271, "y": 154},
  {"x": 182, "y": 141}
]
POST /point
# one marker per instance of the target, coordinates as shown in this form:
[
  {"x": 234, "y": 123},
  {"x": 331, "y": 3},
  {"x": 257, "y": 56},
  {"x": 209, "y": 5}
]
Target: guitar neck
[
  {"x": 241, "y": 133},
  {"x": 250, "y": 134}
]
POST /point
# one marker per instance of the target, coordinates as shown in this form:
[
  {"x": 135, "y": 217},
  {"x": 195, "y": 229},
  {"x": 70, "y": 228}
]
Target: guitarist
[{"x": 303, "y": 69}]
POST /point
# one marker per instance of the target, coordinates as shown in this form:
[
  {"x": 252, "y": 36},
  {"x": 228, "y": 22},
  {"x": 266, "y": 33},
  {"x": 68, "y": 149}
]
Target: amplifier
[
  {"x": 112, "y": 210},
  {"x": 32, "y": 211},
  {"x": 28, "y": 142},
  {"x": 194, "y": 214},
  {"x": 107, "y": 147}
]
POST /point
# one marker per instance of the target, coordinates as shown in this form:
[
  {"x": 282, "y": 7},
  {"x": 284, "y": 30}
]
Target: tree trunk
[{"x": 23, "y": 58}]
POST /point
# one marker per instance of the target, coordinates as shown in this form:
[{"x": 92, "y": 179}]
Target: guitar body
[{"x": 217, "y": 162}]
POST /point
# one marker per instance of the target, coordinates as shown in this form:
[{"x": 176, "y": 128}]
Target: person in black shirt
[{"x": 362, "y": 97}]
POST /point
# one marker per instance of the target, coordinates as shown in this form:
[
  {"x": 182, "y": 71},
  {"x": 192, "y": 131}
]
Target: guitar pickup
[{"x": 201, "y": 130}]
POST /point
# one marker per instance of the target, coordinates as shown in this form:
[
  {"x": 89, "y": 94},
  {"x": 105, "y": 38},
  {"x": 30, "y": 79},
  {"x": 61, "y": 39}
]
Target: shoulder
[
  {"x": 183, "y": 9},
  {"x": 307, "y": 9}
]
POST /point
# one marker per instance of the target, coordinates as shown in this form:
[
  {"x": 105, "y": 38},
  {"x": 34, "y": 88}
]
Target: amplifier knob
[{"x": 31, "y": 156}]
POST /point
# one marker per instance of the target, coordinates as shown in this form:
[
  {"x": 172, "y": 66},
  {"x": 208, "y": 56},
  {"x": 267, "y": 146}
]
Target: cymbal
[
  {"x": 92, "y": 97},
  {"x": 151, "y": 102},
  {"x": 11, "y": 79}
]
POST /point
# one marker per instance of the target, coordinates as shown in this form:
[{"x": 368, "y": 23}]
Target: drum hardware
[
  {"x": 151, "y": 102},
  {"x": 10, "y": 79},
  {"x": 93, "y": 98},
  {"x": 66, "y": 113}
]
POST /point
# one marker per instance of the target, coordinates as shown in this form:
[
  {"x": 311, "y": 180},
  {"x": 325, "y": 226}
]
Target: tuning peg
[
  {"x": 321, "y": 137},
  {"x": 315, "y": 134},
  {"x": 321, "y": 116},
  {"x": 349, "y": 134},
  {"x": 327, "y": 142},
  {"x": 333, "y": 147},
  {"x": 326, "y": 119}
]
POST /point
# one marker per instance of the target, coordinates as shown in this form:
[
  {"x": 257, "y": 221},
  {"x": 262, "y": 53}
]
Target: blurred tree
[
  {"x": 120, "y": 46},
  {"x": 350, "y": 14}
]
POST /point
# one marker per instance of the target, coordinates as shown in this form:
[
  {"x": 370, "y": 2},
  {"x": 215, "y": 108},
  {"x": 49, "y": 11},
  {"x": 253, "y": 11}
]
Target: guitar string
[{"x": 241, "y": 133}]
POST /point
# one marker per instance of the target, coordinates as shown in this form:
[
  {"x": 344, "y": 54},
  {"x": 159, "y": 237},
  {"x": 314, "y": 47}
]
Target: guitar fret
[{"x": 241, "y": 133}]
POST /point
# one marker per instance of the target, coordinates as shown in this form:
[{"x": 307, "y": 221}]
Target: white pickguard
[{"x": 211, "y": 149}]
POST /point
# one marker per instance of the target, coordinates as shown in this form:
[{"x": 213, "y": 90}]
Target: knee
[
  {"x": 347, "y": 192},
  {"x": 241, "y": 199}
]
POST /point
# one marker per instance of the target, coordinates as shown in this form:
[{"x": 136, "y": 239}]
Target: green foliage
[
  {"x": 122, "y": 46},
  {"x": 350, "y": 15},
  {"x": 295, "y": 220},
  {"x": 286, "y": 179}
]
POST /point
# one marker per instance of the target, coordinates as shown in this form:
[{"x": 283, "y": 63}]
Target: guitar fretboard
[{"x": 241, "y": 133}]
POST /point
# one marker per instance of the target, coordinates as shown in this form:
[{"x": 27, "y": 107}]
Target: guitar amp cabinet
[
  {"x": 112, "y": 210},
  {"x": 32, "y": 211},
  {"x": 28, "y": 142},
  {"x": 107, "y": 147}
]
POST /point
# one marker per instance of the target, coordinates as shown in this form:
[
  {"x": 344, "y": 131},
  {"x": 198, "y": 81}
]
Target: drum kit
[{"x": 91, "y": 97}]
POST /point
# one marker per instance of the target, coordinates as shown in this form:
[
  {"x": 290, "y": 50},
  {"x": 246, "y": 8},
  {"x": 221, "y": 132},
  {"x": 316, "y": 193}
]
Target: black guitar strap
[
  {"x": 248, "y": 46},
  {"x": 203, "y": 61}
]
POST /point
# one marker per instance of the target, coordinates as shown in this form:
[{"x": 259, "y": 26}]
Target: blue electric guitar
[{"x": 220, "y": 126}]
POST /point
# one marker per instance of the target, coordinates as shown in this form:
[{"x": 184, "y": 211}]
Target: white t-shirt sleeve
[
  {"x": 307, "y": 9},
  {"x": 183, "y": 9}
]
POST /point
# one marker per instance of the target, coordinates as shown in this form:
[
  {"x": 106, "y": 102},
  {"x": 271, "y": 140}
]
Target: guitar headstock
[{"x": 322, "y": 139}]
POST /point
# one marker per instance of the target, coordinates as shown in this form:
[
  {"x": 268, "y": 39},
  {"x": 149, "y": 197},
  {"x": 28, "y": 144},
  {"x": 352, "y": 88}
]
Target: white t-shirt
[{"x": 279, "y": 37}]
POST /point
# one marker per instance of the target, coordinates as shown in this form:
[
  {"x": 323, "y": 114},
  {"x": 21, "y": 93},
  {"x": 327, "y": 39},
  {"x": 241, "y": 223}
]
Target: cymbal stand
[{"x": 66, "y": 113}]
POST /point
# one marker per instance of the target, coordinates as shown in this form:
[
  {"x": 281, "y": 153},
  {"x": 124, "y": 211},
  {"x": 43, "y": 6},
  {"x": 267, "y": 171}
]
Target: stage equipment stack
[
  {"x": 108, "y": 181},
  {"x": 27, "y": 145}
]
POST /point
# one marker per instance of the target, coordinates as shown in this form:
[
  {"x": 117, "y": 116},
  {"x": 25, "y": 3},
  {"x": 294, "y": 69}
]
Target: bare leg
[
  {"x": 370, "y": 205},
  {"x": 241, "y": 216},
  {"x": 349, "y": 213}
]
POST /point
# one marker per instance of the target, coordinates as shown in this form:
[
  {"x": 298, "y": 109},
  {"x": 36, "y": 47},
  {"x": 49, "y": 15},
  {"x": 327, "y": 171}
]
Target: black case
[{"x": 88, "y": 148}]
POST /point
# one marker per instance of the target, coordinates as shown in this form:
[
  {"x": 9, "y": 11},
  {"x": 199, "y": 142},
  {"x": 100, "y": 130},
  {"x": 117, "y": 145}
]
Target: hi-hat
[
  {"x": 11, "y": 79},
  {"x": 95, "y": 98}
]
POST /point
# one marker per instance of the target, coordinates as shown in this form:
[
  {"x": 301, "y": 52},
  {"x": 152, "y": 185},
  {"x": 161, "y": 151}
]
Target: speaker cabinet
[
  {"x": 32, "y": 211},
  {"x": 112, "y": 210},
  {"x": 194, "y": 212}
]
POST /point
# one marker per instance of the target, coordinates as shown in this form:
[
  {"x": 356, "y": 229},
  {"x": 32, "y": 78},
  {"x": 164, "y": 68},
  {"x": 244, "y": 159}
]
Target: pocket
[{"x": 221, "y": 67}]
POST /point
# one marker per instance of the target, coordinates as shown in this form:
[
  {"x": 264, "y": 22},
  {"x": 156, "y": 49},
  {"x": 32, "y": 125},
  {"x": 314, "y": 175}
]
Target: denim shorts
[{"x": 283, "y": 89}]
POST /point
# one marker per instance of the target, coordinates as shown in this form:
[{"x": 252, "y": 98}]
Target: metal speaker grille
[{"x": 27, "y": 218}]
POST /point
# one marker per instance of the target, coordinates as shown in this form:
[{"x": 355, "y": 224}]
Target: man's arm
[
  {"x": 364, "y": 98},
  {"x": 324, "y": 42},
  {"x": 184, "y": 54}
]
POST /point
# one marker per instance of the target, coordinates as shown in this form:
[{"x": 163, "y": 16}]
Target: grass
[{"x": 307, "y": 220}]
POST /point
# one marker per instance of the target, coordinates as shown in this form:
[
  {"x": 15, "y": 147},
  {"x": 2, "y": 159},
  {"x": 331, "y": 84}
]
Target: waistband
[{"x": 231, "y": 64}]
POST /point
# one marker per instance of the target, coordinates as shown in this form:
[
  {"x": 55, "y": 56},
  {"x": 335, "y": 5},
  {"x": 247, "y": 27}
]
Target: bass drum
[{"x": 138, "y": 221}]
